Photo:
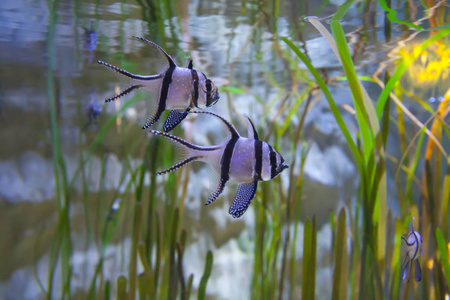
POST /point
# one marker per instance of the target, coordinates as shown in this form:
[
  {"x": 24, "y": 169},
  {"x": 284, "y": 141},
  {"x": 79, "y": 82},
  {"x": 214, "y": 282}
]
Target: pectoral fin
[
  {"x": 417, "y": 271},
  {"x": 174, "y": 118},
  {"x": 246, "y": 192},
  {"x": 405, "y": 272}
]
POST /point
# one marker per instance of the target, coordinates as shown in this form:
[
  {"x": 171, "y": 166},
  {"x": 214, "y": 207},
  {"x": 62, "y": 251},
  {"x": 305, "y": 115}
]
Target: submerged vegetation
[{"x": 146, "y": 215}]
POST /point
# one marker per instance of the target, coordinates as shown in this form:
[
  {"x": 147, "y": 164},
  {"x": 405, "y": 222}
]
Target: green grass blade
[
  {"x": 444, "y": 254},
  {"x": 347, "y": 64},
  {"x": 122, "y": 288},
  {"x": 107, "y": 293},
  {"x": 189, "y": 286},
  {"x": 413, "y": 167},
  {"x": 342, "y": 10},
  {"x": 205, "y": 277},
  {"x": 331, "y": 102},
  {"x": 391, "y": 14},
  {"x": 445, "y": 199},
  {"x": 309, "y": 259},
  {"x": 341, "y": 259}
]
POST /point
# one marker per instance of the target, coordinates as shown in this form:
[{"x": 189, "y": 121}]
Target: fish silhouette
[{"x": 414, "y": 248}]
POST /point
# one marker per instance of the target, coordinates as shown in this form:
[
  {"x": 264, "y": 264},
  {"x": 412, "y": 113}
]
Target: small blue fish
[
  {"x": 176, "y": 89},
  {"x": 243, "y": 160},
  {"x": 93, "y": 112},
  {"x": 90, "y": 41},
  {"x": 414, "y": 248}
]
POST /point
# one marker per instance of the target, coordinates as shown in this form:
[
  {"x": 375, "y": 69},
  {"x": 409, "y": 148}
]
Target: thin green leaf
[
  {"x": 391, "y": 14},
  {"x": 232, "y": 89},
  {"x": 205, "y": 277},
  {"x": 444, "y": 254},
  {"x": 339, "y": 291},
  {"x": 309, "y": 259},
  {"x": 342, "y": 10},
  {"x": 412, "y": 169},
  {"x": 331, "y": 102}
]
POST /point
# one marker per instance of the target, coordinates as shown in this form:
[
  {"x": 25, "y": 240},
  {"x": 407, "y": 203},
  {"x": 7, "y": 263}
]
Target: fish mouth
[
  {"x": 213, "y": 99},
  {"x": 282, "y": 167}
]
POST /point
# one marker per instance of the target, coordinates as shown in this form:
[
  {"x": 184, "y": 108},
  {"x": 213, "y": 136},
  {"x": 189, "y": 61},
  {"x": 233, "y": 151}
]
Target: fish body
[
  {"x": 414, "y": 248},
  {"x": 243, "y": 160},
  {"x": 177, "y": 89}
]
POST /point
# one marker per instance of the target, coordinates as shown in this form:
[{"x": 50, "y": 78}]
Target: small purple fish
[
  {"x": 93, "y": 112},
  {"x": 414, "y": 248}
]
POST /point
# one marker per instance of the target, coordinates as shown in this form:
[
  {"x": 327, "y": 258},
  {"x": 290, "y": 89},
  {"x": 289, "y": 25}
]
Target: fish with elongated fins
[
  {"x": 177, "y": 89},
  {"x": 243, "y": 160},
  {"x": 414, "y": 247}
]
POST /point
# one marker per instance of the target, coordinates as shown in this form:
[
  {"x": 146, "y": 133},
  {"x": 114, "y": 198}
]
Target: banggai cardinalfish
[
  {"x": 243, "y": 160},
  {"x": 176, "y": 89}
]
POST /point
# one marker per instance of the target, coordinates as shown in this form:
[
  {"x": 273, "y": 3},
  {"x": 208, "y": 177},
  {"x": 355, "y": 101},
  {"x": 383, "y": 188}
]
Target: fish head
[
  {"x": 419, "y": 242},
  {"x": 281, "y": 165},
  {"x": 208, "y": 93},
  {"x": 272, "y": 163}
]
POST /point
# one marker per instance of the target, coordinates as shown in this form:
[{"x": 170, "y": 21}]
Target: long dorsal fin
[
  {"x": 230, "y": 127},
  {"x": 190, "y": 64},
  {"x": 169, "y": 58},
  {"x": 128, "y": 74},
  {"x": 252, "y": 133}
]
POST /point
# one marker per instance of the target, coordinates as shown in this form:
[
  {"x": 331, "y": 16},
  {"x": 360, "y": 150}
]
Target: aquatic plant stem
[{"x": 136, "y": 234}]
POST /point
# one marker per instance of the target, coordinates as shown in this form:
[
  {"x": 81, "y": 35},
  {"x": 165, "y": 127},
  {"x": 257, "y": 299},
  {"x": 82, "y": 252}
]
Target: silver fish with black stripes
[
  {"x": 413, "y": 246},
  {"x": 243, "y": 160},
  {"x": 177, "y": 89}
]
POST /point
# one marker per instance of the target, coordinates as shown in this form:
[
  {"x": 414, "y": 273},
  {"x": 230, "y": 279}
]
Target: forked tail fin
[{"x": 135, "y": 78}]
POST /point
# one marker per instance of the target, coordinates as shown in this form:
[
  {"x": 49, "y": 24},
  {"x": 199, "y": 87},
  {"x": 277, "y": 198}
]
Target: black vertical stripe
[
  {"x": 417, "y": 245},
  {"x": 258, "y": 159},
  {"x": 195, "y": 81},
  {"x": 273, "y": 162},
  {"x": 164, "y": 92},
  {"x": 226, "y": 159}
]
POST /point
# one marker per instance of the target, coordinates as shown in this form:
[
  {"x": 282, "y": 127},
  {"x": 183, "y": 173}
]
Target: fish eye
[
  {"x": 208, "y": 87},
  {"x": 212, "y": 96}
]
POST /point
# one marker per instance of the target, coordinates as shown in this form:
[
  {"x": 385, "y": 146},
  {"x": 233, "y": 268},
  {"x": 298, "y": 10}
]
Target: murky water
[{"x": 235, "y": 43}]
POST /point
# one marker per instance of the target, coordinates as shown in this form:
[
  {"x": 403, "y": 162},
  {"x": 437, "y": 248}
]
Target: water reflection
[{"x": 237, "y": 43}]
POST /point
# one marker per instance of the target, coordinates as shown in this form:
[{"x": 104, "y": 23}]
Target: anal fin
[
  {"x": 246, "y": 193},
  {"x": 216, "y": 193},
  {"x": 174, "y": 118},
  {"x": 153, "y": 118}
]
